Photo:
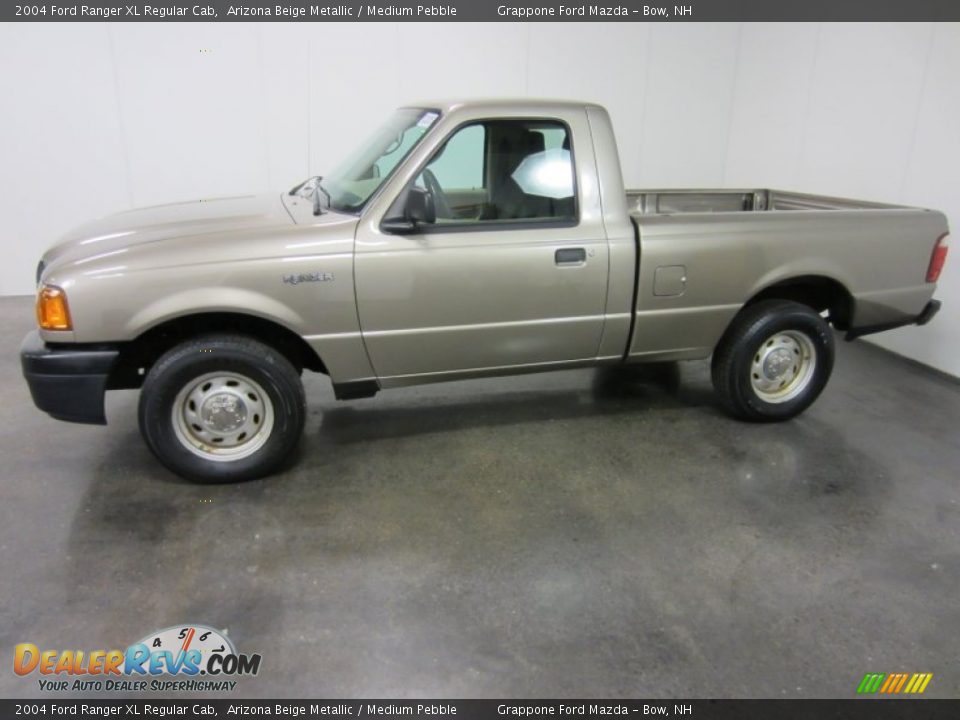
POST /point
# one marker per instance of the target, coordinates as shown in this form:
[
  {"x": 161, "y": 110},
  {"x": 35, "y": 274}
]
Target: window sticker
[{"x": 426, "y": 120}]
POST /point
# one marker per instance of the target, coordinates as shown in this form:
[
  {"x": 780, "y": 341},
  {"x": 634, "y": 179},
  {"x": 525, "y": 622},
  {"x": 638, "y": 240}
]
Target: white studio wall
[
  {"x": 102, "y": 117},
  {"x": 858, "y": 110}
]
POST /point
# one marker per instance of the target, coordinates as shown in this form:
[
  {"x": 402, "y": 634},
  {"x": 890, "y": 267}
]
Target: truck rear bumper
[
  {"x": 931, "y": 309},
  {"x": 67, "y": 382}
]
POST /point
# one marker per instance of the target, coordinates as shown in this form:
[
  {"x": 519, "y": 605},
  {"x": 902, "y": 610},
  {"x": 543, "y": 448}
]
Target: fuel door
[{"x": 670, "y": 280}]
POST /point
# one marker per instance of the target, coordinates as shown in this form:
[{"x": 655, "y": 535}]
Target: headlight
[{"x": 52, "y": 310}]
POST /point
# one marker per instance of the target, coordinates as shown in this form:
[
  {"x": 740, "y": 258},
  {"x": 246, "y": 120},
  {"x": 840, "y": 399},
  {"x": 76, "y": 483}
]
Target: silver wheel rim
[
  {"x": 783, "y": 366},
  {"x": 222, "y": 416}
]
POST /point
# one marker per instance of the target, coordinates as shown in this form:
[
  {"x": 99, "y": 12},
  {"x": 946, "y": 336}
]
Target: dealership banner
[
  {"x": 476, "y": 709},
  {"x": 482, "y": 10}
]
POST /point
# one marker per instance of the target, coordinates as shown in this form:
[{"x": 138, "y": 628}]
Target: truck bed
[
  {"x": 670, "y": 202},
  {"x": 704, "y": 252}
]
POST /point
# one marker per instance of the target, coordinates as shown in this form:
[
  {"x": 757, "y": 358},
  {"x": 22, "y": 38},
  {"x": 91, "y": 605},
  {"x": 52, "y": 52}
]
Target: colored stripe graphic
[
  {"x": 870, "y": 683},
  {"x": 919, "y": 683},
  {"x": 903, "y": 679},
  {"x": 890, "y": 682},
  {"x": 894, "y": 683}
]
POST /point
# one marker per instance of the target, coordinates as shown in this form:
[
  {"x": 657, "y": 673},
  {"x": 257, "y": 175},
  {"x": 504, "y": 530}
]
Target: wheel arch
[
  {"x": 139, "y": 354},
  {"x": 820, "y": 292}
]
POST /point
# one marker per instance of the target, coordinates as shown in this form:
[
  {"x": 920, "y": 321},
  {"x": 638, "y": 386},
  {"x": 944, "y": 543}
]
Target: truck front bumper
[{"x": 67, "y": 382}]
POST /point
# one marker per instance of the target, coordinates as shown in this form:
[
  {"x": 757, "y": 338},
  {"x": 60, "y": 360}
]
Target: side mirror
[{"x": 418, "y": 209}]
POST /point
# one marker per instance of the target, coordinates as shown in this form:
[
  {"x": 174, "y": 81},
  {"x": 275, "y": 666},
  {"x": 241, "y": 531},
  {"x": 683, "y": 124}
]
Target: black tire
[
  {"x": 739, "y": 362},
  {"x": 267, "y": 371}
]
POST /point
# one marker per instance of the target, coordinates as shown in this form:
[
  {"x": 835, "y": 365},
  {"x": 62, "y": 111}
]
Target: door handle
[{"x": 570, "y": 256}]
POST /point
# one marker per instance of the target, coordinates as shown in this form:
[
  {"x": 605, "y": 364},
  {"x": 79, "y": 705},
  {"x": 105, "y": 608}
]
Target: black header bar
[{"x": 482, "y": 10}]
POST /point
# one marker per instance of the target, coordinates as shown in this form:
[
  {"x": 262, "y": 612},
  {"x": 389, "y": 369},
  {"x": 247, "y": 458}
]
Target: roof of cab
[{"x": 447, "y": 105}]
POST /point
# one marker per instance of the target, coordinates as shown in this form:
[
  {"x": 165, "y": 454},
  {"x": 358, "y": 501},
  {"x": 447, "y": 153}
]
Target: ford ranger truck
[{"x": 462, "y": 240}]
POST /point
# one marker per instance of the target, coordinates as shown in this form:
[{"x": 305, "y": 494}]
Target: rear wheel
[
  {"x": 222, "y": 408},
  {"x": 773, "y": 361}
]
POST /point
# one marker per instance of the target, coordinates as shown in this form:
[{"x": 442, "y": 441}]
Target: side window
[
  {"x": 459, "y": 166},
  {"x": 502, "y": 171},
  {"x": 555, "y": 138}
]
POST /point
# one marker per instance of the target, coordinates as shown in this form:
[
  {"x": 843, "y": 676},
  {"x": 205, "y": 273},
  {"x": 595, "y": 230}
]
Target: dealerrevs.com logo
[{"x": 187, "y": 658}]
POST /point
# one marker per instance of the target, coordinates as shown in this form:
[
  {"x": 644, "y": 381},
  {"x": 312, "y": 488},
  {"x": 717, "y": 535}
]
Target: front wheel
[
  {"x": 773, "y": 361},
  {"x": 222, "y": 408}
]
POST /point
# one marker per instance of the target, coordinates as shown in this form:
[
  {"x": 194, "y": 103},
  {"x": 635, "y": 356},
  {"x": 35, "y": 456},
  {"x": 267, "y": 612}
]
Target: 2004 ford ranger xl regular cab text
[{"x": 464, "y": 239}]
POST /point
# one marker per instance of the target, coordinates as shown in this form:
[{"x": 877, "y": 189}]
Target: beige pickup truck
[{"x": 464, "y": 239}]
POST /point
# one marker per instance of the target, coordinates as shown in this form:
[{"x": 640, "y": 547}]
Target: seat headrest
[{"x": 533, "y": 142}]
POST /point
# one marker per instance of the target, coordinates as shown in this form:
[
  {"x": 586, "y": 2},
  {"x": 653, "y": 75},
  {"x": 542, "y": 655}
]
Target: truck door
[{"x": 512, "y": 272}]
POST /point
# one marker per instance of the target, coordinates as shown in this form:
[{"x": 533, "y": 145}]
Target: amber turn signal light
[{"x": 52, "y": 310}]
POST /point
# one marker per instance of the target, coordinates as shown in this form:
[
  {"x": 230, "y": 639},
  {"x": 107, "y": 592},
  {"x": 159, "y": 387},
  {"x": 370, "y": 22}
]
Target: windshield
[{"x": 358, "y": 177}]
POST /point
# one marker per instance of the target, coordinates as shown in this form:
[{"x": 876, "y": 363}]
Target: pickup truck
[{"x": 464, "y": 239}]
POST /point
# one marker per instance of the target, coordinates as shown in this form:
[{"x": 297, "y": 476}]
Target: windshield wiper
[{"x": 317, "y": 189}]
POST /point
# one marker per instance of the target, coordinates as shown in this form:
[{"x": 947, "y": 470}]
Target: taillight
[{"x": 937, "y": 259}]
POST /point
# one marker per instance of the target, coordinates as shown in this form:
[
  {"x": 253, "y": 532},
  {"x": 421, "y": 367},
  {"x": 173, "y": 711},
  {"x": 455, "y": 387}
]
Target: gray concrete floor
[{"x": 578, "y": 533}]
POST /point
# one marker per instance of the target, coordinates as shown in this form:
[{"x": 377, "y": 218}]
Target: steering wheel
[{"x": 439, "y": 199}]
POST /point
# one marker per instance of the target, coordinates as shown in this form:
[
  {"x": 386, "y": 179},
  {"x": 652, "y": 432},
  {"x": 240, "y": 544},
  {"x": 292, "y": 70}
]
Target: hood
[{"x": 161, "y": 222}]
